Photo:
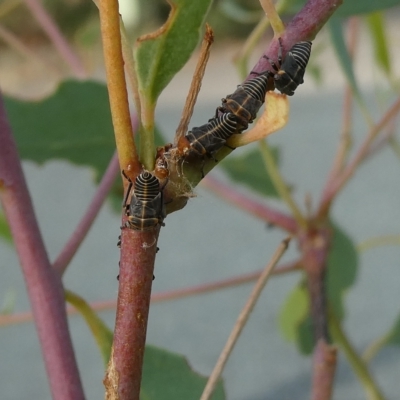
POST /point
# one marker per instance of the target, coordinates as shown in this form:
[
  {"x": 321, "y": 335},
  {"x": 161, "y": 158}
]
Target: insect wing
[{"x": 289, "y": 76}]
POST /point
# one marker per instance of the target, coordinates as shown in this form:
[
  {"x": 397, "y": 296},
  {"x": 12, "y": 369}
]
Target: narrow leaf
[
  {"x": 168, "y": 376},
  {"x": 294, "y": 311},
  {"x": 249, "y": 170},
  {"x": 355, "y": 7},
  {"x": 100, "y": 331},
  {"x": 336, "y": 31},
  {"x": 9, "y": 299},
  {"x": 5, "y": 232},
  {"x": 377, "y": 29},
  {"x": 342, "y": 269}
]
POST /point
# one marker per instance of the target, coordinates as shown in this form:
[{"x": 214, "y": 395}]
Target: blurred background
[{"x": 216, "y": 240}]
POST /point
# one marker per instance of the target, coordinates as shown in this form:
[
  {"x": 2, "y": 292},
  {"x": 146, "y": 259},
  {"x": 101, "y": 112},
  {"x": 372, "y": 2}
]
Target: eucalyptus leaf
[
  {"x": 5, "y": 232},
  {"x": 376, "y": 26},
  {"x": 168, "y": 376},
  {"x": 249, "y": 170},
  {"x": 161, "y": 54},
  {"x": 73, "y": 124},
  {"x": 295, "y": 319}
]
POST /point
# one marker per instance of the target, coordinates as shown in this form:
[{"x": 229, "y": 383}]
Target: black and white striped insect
[
  {"x": 246, "y": 100},
  {"x": 289, "y": 73},
  {"x": 207, "y": 139},
  {"x": 146, "y": 208}
]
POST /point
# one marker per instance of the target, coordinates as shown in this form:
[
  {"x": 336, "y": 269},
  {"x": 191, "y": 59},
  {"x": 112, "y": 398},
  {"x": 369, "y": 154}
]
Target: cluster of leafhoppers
[{"x": 146, "y": 207}]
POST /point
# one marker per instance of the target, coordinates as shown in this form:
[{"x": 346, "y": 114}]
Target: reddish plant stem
[
  {"x": 314, "y": 246},
  {"x": 246, "y": 203},
  {"x": 177, "y": 294},
  {"x": 330, "y": 192},
  {"x": 44, "y": 285},
  {"x": 304, "y": 26},
  {"x": 124, "y": 372},
  {"x": 52, "y": 31},
  {"x": 324, "y": 368},
  {"x": 73, "y": 244}
]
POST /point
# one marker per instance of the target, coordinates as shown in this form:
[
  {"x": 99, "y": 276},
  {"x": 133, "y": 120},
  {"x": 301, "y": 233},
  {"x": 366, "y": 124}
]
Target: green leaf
[
  {"x": 336, "y": 30},
  {"x": 342, "y": 269},
  {"x": 5, "y": 232},
  {"x": 168, "y": 376},
  {"x": 295, "y": 309},
  {"x": 161, "y": 54},
  {"x": 295, "y": 318},
  {"x": 355, "y": 7},
  {"x": 249, "y": 170},
  {"x": 73, "y": 124},
  {"x": 377, "y": 29},
  {"x": 394, "y": 334},
  {"x": 100, "y": 331},
  {"x": 8, "y": 305},
  {"x": 305, "y": 336}
]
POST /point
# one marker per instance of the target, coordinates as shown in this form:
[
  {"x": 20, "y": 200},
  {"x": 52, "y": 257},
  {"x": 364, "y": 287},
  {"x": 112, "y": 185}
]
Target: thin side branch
[
  {"x": 17, "y": 44},
  {"x": 371, "y": 388},
  {"x": 274, "y": 19},
  {"x": 279, "y": 183},
  {"x": 244, "y": 202},
  {"x": 57, "y": 38},
  {"x": 330, "y": 192},
  {"x": 67, "y": 253},
  {"x": 196, "y": 84},
  {"x": 242, "y": 319},
  {"x": 21, "y": 317}
]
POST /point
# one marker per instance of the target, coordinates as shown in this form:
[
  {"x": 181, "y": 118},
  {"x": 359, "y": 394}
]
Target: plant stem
[
  {"x": 242, "y": 319},
  {"x": 21, "y": 317},
  {"x": 44, "y": 285},
  {"x": 274, "y": 19},
  {"x": 60, "y": 43},
  {"x": 246, "y": 203},
  {"x": 114, "y": 63},
  {"x": 304, "y": 26},
  {"x": 371, "y": 388},
  {"x": 67, "y": 253},
  {"x": 124, "y": 372},
  {"x": 279, "y": 184},
  {"x": 195, "y": 84},
  {"x": 25, "y": 51},
  {"x": 324, "y": 368},
  {"x": 331, "y": 191}
]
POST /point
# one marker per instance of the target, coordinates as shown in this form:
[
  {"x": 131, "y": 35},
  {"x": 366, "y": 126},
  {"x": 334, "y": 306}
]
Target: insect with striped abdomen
[
  {"x": 246, "y": 100},
  {"x": 207, "y": 139},
  {"x": 146, "y": 208},
  {"x": 289, "y": 73}
]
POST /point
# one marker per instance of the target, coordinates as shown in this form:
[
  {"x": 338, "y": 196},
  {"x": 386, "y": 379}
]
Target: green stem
[
  {"x": 242, "y": 58},
  {"x": 279, "y": 183},
  {"x": 372, "y": 350},
  {"x": 360, "y": 368}
]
